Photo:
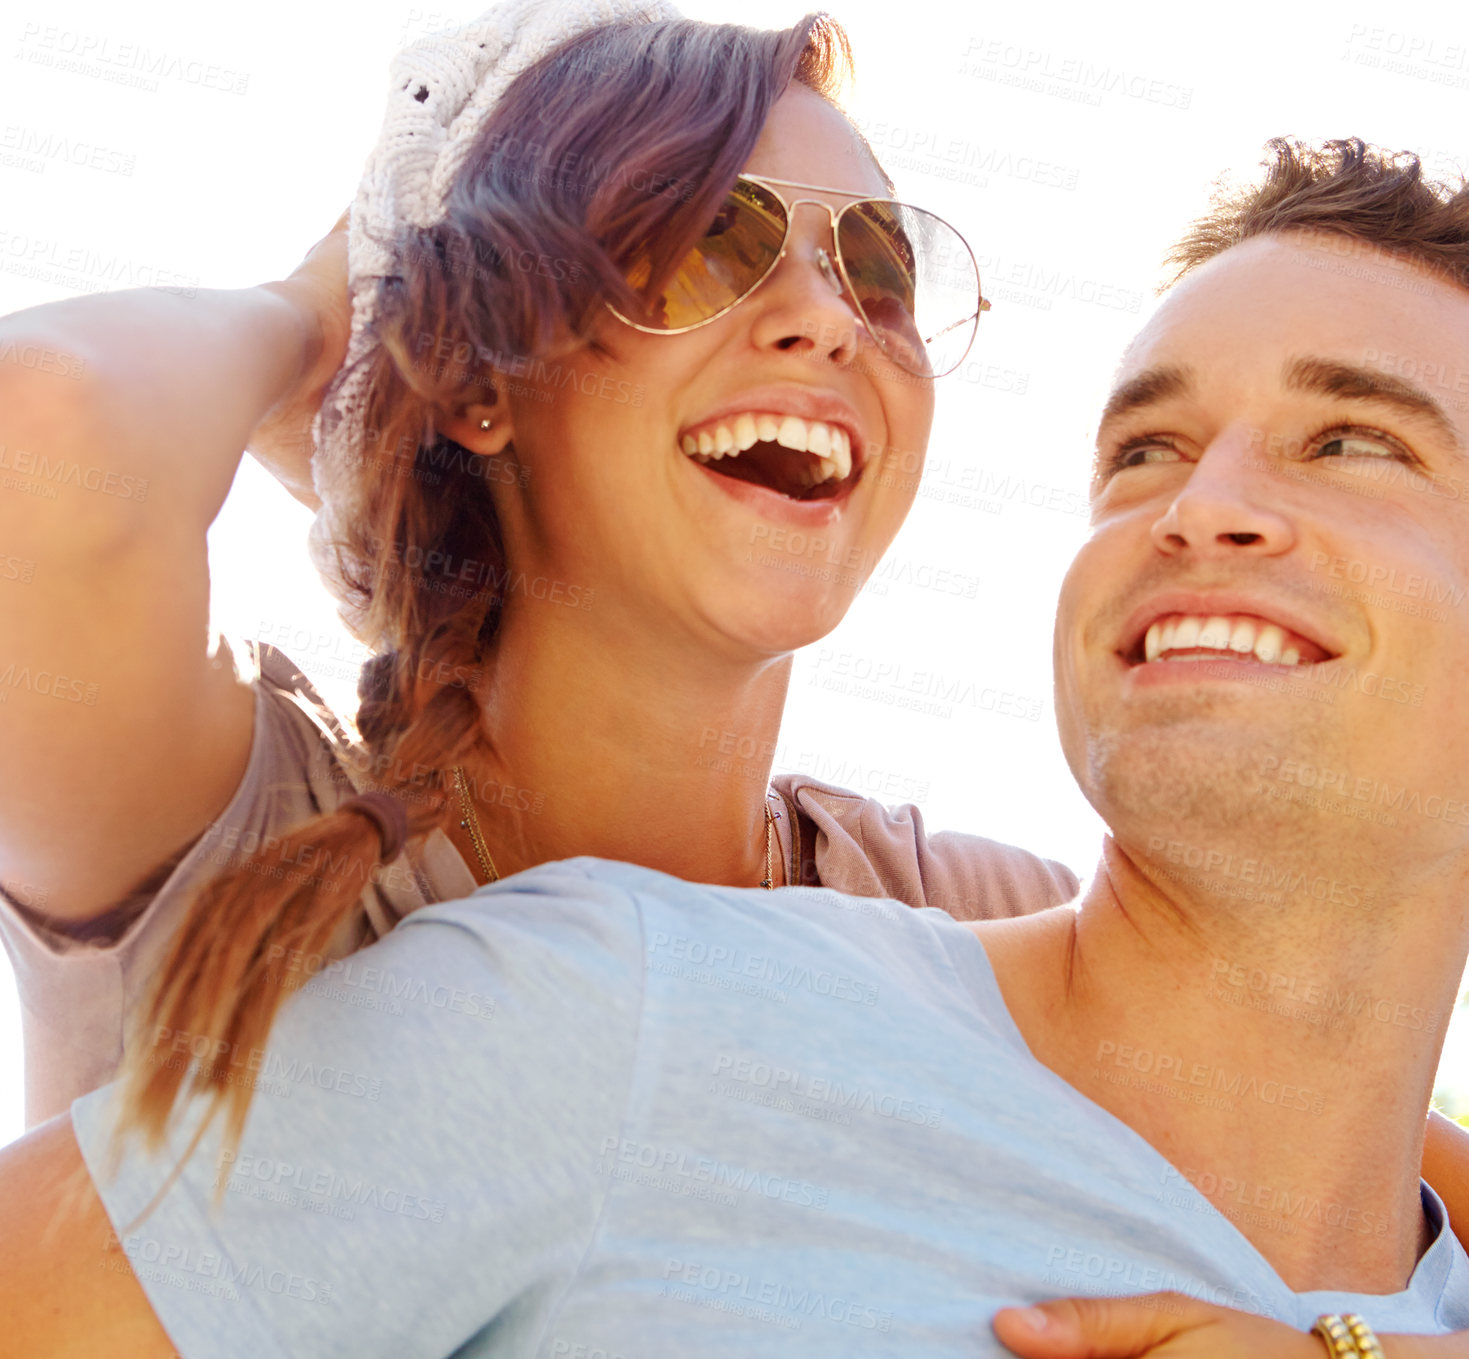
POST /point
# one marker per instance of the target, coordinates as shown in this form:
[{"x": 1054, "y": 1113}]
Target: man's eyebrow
[
  {"x": 1332, "y": 378},
  {"x": 1148, "y": 388}
]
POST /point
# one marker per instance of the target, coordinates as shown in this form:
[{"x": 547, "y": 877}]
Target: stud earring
[{"x": 486, "y": 423}]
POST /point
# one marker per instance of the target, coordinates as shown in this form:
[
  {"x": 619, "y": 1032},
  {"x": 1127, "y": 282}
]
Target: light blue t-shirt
[{"x": 595, "y": 1112}]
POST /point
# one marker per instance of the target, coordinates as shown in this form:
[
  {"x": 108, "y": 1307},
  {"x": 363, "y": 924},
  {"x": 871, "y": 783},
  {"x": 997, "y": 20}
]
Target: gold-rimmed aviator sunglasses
[{"x": 910, "y": 275}]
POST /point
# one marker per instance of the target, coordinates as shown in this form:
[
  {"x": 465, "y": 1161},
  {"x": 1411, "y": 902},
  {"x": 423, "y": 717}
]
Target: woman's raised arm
[{"x": 122, "y": 421}]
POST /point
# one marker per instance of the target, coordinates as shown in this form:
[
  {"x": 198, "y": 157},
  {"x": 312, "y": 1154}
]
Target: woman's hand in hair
[
  {"x": 317, "y": 290},
  {"x": 1175, "y": 1326}
]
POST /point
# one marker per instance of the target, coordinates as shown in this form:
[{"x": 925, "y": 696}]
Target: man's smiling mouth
[{"x": 1213, "y": 637}]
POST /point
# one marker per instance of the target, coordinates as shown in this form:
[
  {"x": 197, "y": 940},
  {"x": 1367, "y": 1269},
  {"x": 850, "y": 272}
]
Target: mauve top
[{"x": 78, "y": 988}]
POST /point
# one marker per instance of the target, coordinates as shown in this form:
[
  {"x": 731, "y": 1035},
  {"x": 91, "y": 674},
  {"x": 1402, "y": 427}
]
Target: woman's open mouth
[{"x": 799, "y": 459}]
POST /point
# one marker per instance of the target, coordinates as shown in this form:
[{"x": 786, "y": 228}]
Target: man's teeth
[
  {"x": 1198, "y": 635},
  {"x": 831, "y": 445}
]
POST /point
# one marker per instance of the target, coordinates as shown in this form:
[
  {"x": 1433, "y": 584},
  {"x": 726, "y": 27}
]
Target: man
[{"x": 673, "y": 1119}]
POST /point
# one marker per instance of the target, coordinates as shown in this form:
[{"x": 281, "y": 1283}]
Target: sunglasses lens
[
  {"x": 736, "y": 252},
  {"x": 916, "y": 282}
]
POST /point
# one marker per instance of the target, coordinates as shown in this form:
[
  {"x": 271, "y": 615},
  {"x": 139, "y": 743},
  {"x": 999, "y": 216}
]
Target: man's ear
[{"x": 482, "y": 426}]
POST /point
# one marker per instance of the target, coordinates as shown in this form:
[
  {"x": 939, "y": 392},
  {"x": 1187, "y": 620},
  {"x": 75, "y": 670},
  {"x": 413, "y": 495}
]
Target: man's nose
[{"x": 1229, "y": 504}]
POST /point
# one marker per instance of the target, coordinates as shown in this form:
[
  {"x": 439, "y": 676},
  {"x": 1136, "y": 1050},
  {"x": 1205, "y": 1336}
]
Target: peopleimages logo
[
  {"x": 935, "y": 151},
  {"x": 182, "y": 1265},
  {"x": 272, "y": 1066},
  {"x": 1224, "y": 1193},
  {"x": 41, "y": 147},
  {"x": 41, "y": 257},
  {"x": 1263, "y": 989},
  {"x": 1067, "y": 1263},
  {"x": 671, "y": 950},
  {"x": 316, "y": 1189},
  {"x": 1169, "y": 1069},
  {"x": 787, "y": 1082},
  {"x": 679, "y": 1171},
  {"x": 727, "y": 1290},
  {"x": 533, "y": 369},
  {"x": 1067, "y": 77},
  {"x": 123, "y": 63}
]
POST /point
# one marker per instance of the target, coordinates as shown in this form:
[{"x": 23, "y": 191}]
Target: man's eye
[
  {"x": 1139, "y": 454},
  {"x": 1357, "y": 444}
]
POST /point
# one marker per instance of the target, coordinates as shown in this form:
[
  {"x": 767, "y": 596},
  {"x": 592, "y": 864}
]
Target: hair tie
[{"x": 388, "y": 814}]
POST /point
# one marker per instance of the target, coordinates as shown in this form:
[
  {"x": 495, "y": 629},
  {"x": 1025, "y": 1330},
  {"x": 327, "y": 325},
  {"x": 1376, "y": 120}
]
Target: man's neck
[{"x": 1279, "y": 1050}]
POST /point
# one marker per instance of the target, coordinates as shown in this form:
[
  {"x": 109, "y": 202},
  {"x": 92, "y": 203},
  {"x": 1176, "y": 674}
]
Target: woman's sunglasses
[{"x": 910, "y": 274}]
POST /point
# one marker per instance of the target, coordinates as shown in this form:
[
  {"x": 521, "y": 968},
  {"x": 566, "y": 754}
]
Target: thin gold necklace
[
  {"x": 768, "y": 881},
  {"x": 469, "y": 820}
]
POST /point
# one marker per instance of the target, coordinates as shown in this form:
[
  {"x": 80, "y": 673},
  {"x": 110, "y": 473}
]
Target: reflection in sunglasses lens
[
  {"x": 915, "y": 281},
  {"x": 737, "y": 250}
]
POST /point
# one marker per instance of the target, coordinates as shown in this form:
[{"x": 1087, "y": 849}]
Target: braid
[{"x": 253, "y": 932}]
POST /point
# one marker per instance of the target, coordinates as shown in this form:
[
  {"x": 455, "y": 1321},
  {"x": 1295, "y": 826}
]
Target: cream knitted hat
[{"x": 441, "y": 89}]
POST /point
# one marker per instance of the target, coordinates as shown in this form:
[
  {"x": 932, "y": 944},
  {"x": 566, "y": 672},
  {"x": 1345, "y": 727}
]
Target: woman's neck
[{"x": 625, "y": 748}]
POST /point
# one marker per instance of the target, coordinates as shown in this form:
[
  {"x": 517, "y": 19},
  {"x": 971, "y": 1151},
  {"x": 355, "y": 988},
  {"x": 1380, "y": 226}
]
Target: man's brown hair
[{"x": 1347, "y": 188}]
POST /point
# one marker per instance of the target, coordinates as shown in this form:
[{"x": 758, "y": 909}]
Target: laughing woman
[{"x": 628, "y": 296}]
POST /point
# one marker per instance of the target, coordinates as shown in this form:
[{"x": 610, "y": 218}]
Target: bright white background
[{"x": 1070, "y": 144}]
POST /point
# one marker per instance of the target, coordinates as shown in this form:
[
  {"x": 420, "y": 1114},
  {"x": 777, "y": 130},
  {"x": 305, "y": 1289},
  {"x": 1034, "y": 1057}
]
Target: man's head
[{"x": 1286, "y": 448}]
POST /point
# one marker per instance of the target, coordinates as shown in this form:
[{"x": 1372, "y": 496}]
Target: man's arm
[
  {"x": 66, "y": 1289},
  {"x": 1446, "y": 1168}
]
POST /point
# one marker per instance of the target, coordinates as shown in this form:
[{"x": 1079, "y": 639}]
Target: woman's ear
[{"x": 482, "y": 426}]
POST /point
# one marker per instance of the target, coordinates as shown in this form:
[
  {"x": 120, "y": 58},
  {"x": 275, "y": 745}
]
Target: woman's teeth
[
  {"x": 1199, "y": 637},
  {"x": 830, "y": 445}
]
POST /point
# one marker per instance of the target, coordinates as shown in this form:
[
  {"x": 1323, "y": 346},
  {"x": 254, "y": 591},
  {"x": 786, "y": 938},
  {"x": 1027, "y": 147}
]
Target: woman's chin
[{"x": 787, "y": 615}]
